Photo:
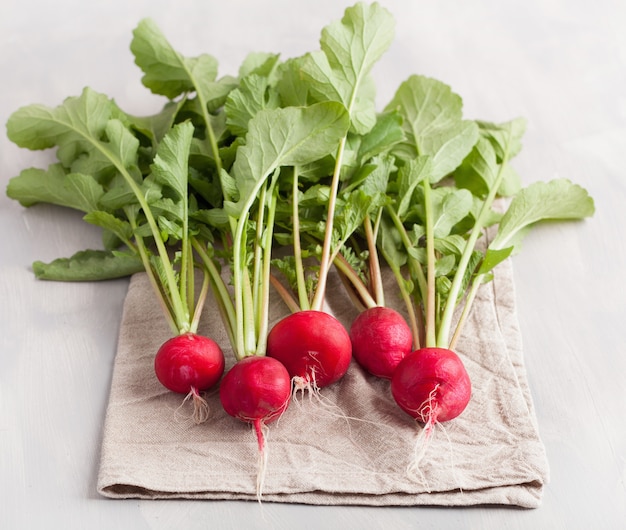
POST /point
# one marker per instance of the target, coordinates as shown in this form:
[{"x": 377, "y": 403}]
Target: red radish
[
  {"x": 381, "y": 338},
  {"x": 314, "y": 347},
  {"x": 431, "y": 385},
  {"x": 256, "y": 390},
  {"x": 188, "y": 364}
]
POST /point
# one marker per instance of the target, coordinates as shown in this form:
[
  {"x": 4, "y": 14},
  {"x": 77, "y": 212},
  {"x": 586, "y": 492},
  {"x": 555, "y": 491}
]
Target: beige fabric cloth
[{"x": 351, "y": 449}]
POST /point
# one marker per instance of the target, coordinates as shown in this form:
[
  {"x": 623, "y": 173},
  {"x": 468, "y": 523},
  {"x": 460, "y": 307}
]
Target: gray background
[{"x": 562, "y": 65}]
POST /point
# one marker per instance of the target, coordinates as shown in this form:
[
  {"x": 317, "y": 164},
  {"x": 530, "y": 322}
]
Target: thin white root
[
  {"x": 428, "y": 413},
  {"x": 201, "y": 410},
  {"x": 419, "y": 450},
  {"x": 262, "y": 433}
]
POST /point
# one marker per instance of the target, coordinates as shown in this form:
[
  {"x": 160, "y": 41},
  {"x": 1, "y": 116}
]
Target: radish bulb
[
  {"x": 432, "y": 386},
  {"x": 256, "y": 390},
  {"x": 381, "y": 338},
  {"x": 313, "y": 346},
  {"x": 189, "y": 364}
]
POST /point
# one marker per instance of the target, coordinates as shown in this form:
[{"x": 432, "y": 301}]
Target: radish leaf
[
  {"x": 557, "y": 199},
  {"x": 350, "y": 48},
  {"x": 55, "y": 186},
  {"x": 433, "y": 124},
  {"x": 89, "y": 265}
]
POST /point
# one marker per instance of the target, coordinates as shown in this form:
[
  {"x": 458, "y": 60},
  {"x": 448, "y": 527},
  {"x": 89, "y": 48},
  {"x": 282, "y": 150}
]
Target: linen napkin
[{"x": 352, "y": 446}]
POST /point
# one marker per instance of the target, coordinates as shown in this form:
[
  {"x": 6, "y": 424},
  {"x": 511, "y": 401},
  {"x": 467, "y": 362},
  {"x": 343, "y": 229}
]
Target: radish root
[
  {"x": 428, "y": 416},
  {"x": 262, "y": 433},
  {"x": 201, "y": 410}
]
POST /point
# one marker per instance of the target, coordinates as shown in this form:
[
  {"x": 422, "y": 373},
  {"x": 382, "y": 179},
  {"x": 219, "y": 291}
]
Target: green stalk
[
  {"x": 163, "y": 300},
  {"x": 376, "y": 280},
  {"x": 241, "y": 277},
  {"x": 207, "y": 120},
  {"x": 249, "y": 339},
  {"x": 325, "y": 261},
  {"x": 415, "y": 268},
  {"x": 470, "y": 245},
  {"x": 257, "y": 261},
  {"x": 344, "y": 267},
  {"x": 431, "y": 338},
  {"x": 303, "y": 298},
  {"x": 222, "y": 295},
  {"x": 176, "y": 302},
  {"x": 471, "y": 295},
  {"x": 197, "y": 311},
  {"x": 406, "y": 297},
  {"x": 263, "y": 309},
  {"x": 186, "y": 269}
]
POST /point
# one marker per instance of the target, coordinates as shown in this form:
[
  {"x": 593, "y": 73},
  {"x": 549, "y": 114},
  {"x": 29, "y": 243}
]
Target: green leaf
[
  {"x": 433, "y": 124},
  {"x": 243, "y": 103},
  {"x": 451, "y": 244},
  {"x": 350, "y": 48},
  {"x": 479, "y": 170},
  {"x": 444, "y": 265},
  {"x": 449, "y": 206},
  {"x": 386, "y": 133},
  {"x": 504, "y": 137},
  {"x": 292, "y": 88},
  {"x": 55, "y": 186},
  {"x": 170, "y": 167},
  {"x": 354, "y": 208},
  {"x": 493, "y": 258},
  {"x": 409, "y": 176},
  {"x": 167, "y": 72},
  {"x": 259, "y": 63},
  {"x": 375, "y": 181},
  {"x": 89, "y": 265},
  {"x": 70, "y": 124},
  {"x": 291, "y": 136},
  {"x": 557, "y": 199},
  {"x": 80, "y": 127},
  {"x": 122, "y": 229},
  {"x": 154, "y": 127}
]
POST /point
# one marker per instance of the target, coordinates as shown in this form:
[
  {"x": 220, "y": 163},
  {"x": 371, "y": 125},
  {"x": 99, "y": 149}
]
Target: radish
[
  {"x": 435, "y": 225},
  {"x": 256, "y": 390},
  {"x": 314, "y": 347},
  {"x": 381, "y": 339},
  {"x": 431, "y": 385},
  {"x": 189, "y": 364},
  {"x": 380, "y": 335},
  {"x": 324, "y": 358}
]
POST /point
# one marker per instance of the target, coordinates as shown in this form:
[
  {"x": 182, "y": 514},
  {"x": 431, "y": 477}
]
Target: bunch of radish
[{"x": 292, "y": 156}]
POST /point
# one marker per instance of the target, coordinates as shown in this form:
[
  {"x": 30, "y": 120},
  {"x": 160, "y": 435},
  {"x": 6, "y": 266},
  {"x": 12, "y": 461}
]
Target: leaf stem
[
  {"x": 263, "y": 306},
  {"x": 415, "y": 269},
  {"x": 303, "y": 298},
  {"x": 471, "y": 295},
  {"x": 197, "y": 311},
  {"x": 219, "y": 286},
  {"x": 289, "y": 300},
  {"x": 470, "y": 245},
  {"x": 325, "y": 261},
  {"x": 376, "y": 280},
  {"x": 431, "y": 339},
  {"x": 361, "y": 289}
]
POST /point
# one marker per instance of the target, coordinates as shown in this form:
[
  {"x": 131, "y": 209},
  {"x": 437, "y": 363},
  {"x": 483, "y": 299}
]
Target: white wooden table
[{"x": 560, "y": 64}]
